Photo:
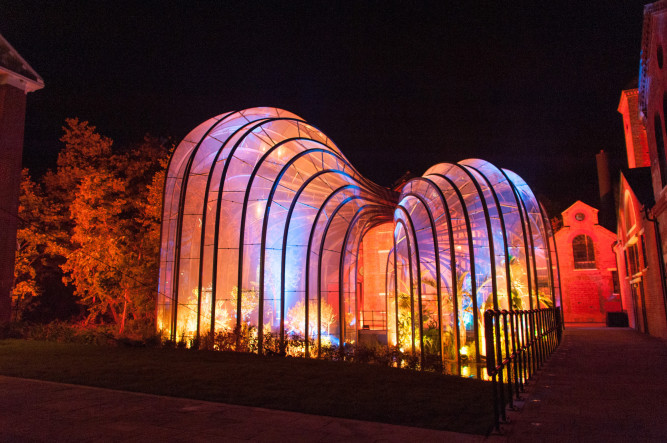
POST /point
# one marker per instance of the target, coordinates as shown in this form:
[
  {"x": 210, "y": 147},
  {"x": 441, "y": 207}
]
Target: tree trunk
[{"x": 122, "y": 319}]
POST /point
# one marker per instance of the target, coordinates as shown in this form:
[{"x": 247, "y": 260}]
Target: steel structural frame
[{"x": 316, "y": 194}]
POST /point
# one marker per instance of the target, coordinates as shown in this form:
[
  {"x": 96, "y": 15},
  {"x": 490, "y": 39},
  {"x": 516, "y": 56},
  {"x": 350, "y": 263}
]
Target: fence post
[
  {"x": 516, "y": 337},
  {"x": 507, "y": 360},
  {"x": 491, "y": 366},
  {"x": 524, "y": 346},
  {"x": 516, "y": 361}
]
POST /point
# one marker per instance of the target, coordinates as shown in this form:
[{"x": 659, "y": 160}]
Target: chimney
[{"x": 606, "y": 215}]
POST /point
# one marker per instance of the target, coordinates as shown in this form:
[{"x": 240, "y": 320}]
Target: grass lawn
[{"x": 349, "y": 390}]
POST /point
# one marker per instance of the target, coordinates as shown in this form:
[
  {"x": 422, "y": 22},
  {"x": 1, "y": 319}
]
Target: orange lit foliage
[
  {"x": 102, "y": 209},
  {"x": 31, "y": 241},
  {"x": 39, "y": 253}
]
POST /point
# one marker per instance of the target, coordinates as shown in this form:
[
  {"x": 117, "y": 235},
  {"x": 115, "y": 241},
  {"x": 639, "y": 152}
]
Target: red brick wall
[
  {"x": 654, "y": 91},
  {"x": 12, "y": 114},
  {"x": 587, "y": 293},
  {"x": 646, "y": 307},
  {"x": 655, "y": 303},
  {"x": 635, "y": 133},
  {"x": 654, "y": 79}
]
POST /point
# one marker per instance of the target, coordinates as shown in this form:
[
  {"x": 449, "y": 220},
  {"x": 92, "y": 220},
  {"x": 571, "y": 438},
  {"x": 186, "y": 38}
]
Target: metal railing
[{"x": 517, "y": 343}]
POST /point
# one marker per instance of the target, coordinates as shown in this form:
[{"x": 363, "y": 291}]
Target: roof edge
[{"x": 16, "y": 79}]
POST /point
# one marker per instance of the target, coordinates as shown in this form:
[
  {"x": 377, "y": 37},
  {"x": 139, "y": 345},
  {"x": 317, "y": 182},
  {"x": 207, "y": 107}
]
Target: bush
[
  {"x": 245, "y": 338},
  {"x": 64, "y": 332},
  {"x": 11, "y": 330}
]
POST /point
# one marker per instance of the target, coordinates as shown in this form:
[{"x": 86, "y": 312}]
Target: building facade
[
  {"x": 587, "y": 265},
  {"x": 638, "y": 254},
  {"x": 642, "y": 197}
]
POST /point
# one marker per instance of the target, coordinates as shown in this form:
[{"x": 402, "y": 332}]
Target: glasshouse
[{"x": 272, "y": 242}]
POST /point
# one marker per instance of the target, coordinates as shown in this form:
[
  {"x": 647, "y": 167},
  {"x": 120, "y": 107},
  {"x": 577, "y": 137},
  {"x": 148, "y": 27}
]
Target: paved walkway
[{"x": 601, "y": 385}]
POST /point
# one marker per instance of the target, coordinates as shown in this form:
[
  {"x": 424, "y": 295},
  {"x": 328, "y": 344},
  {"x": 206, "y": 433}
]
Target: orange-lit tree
[
  {"x": 99, "y": 217},
  {"x": 31, "y": 244}
]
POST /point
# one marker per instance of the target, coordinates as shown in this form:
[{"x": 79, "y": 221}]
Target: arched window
[
  {"x": 583, "y": 252},
  {"x": 629, "y": 213}
]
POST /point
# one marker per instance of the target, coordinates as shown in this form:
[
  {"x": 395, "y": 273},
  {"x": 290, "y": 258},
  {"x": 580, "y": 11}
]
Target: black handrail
[{"x": 517, "y": 344}]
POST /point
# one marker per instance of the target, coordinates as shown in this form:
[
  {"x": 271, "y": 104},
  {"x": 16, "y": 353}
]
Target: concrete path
[
  {"x": 601, "y": 385},
  {"x": 41, "y": 411}
]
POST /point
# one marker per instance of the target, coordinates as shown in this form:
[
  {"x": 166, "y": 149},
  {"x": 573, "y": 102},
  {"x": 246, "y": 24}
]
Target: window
[
  {"x": 659, "y": 54},
  {"x": 645, "y": 264},
  {"x": 583, "y": 252},
  {"x": 633, "y": 258},
  {"x": 629, "y": 218}
]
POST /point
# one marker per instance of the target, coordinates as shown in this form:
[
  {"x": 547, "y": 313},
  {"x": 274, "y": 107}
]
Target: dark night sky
[{"x": 532, "y": 89}]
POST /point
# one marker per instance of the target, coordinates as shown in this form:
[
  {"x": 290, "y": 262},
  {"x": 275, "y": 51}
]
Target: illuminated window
[{"x": 583, "y": 252}]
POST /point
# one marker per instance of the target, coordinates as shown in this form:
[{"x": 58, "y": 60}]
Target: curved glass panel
[{"x": 273, "y": 242}]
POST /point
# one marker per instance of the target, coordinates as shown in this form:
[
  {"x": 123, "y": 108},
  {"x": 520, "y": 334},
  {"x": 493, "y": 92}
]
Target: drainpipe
[{"x": 656, "y": 228}]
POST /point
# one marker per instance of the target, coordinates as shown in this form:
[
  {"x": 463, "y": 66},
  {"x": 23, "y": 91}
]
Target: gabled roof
[
  {"x": 578, "y": 205},
  {"x": 14, "y": 70},
  {"x": 588, "y": 221}
]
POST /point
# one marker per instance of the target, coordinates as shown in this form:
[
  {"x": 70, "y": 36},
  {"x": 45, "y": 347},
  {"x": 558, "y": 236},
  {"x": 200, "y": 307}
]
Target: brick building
[
  {"x": 642, "y": 198},
  {"x": 635, "y": 134},
  {"x": 637, "y": 249},
  {"x": 17, "y": 78},
  {"x": 588, "y": 268}
]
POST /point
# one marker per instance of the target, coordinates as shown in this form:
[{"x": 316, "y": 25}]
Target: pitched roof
[{"x": 14, "y": 70}]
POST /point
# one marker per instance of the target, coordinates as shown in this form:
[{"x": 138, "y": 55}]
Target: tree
[
  {"x": 39, "y": 294},
  {"x": 100, "y": 215},
  {"x": 116, "y": 232},
  {"x": 30, "y": 243}
]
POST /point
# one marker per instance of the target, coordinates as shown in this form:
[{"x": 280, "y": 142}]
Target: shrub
[{"x": 11, "y": 330}]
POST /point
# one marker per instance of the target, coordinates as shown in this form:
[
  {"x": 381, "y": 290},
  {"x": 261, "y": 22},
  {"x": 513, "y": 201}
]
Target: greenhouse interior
[{"x": 272, "y": 242}]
